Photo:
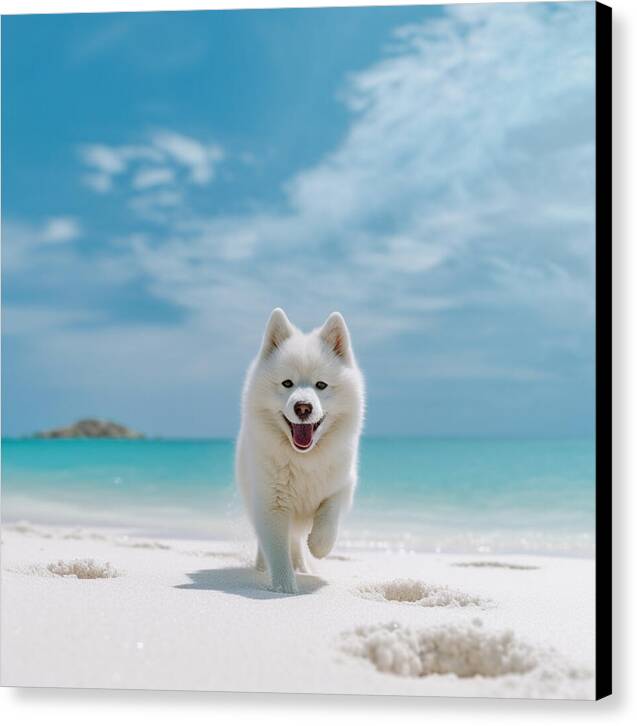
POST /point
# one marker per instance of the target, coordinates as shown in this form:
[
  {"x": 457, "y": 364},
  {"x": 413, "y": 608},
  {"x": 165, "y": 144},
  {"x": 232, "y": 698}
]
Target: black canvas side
[{"x": 603, "y": 350}]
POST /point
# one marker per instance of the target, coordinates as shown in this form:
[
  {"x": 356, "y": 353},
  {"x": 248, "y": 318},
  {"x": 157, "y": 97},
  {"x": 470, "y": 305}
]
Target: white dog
[{"x": 297, "y": 451}]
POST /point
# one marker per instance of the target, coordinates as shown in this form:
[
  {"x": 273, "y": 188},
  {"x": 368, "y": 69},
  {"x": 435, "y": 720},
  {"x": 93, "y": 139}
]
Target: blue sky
[{"x": 169, "y": 178}]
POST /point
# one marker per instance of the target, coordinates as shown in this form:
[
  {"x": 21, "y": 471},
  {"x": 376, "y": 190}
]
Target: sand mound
[
  {"x": 466, "y": 651},
  {"x": 26, "y": 528},
  {"x": 79, "y": 533},
  {"x": 418, "y": 593},
  {"x": 212, "y": 553},
  {"x": 142, "y": 544},
  {"x": 503, "y": 565},
  {"x": 82, "y": 569}
]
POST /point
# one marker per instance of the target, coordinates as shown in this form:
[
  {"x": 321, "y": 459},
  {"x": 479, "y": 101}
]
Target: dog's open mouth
[{"x": 303, "y": 433}]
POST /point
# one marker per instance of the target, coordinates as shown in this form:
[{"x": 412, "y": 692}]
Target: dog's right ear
[{"x": 278, "y": 329}]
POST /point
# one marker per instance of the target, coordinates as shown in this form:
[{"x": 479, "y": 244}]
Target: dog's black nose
[{"x": 302, "y": 409}]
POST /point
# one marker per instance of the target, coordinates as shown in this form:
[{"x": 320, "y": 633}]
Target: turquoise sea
[{"x": 461, "y": 495}]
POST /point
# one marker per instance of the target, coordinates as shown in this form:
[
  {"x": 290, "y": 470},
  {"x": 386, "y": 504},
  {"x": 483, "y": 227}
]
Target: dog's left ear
[{"x": 335, "y": 333}]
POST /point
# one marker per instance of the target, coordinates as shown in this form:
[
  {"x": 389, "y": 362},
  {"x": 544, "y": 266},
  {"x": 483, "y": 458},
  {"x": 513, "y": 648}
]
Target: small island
[{"x": 90, "y": 428}]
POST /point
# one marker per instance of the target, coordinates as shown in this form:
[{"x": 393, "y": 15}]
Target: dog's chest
[{"x": 301, "y": 489}]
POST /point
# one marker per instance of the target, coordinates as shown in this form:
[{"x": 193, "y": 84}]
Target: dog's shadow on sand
[{"x": 246, "y": 582}]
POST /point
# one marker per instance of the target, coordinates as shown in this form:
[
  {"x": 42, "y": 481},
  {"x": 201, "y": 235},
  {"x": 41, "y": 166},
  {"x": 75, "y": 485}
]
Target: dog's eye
[
  {"x": 287, "y": 383},
  {"x": 321, "y": 385}
]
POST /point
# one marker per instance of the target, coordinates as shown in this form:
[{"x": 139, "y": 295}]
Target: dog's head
[{"x": 308, "y": 383}]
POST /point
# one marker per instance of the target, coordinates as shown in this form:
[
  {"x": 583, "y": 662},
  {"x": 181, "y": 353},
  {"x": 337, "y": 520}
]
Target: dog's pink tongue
[{"x": 302, "y": 434}]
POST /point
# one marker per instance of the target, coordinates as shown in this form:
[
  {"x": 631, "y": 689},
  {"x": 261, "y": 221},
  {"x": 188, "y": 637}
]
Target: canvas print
[{"x": 299, "y": 335}]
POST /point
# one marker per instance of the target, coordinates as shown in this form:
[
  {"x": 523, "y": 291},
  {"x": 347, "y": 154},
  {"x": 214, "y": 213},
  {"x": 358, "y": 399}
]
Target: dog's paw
[
  {"x": 285, "y": 584},
  {"x": 321, "y": 540}
]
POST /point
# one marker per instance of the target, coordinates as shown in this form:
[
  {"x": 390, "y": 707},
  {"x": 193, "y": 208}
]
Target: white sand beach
[{"x": 103, "y": 609}]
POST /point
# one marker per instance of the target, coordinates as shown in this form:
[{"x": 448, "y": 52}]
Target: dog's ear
[
  {"x": 276, "y": 331},
  {"x": 336, "y": 335}
]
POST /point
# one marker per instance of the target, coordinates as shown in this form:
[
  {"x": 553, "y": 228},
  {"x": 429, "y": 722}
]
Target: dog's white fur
[{"x": 288, "y": 492}]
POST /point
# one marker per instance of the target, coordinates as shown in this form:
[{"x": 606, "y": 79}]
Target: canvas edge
[{"x": 603, "y": 350}]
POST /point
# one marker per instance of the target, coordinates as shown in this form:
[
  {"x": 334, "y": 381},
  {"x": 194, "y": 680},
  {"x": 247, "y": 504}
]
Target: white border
[{"x": 95, "y": 6}]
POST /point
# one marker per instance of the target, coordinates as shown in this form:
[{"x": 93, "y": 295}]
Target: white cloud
[
  {"x": 24, "y": 243},
  {"x": 200, "y": 160},
  {"x": 109, "y": 161},
  {"x": 403, "y": 254},
  {"x": 167, "y": 158},
  {"x": 146, "y": 178},
  {"x": 61, "y": 229},
  {"x": 35, "y": 255},
  {"x": 465, "y": 147},
  {"x": 100, "y": 183}
]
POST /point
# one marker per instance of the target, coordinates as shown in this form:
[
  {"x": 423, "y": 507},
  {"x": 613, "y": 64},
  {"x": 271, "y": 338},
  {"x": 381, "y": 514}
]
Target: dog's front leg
[
  {"x": 273, "y": 531},
  {"x": 325, "y": 528}
]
